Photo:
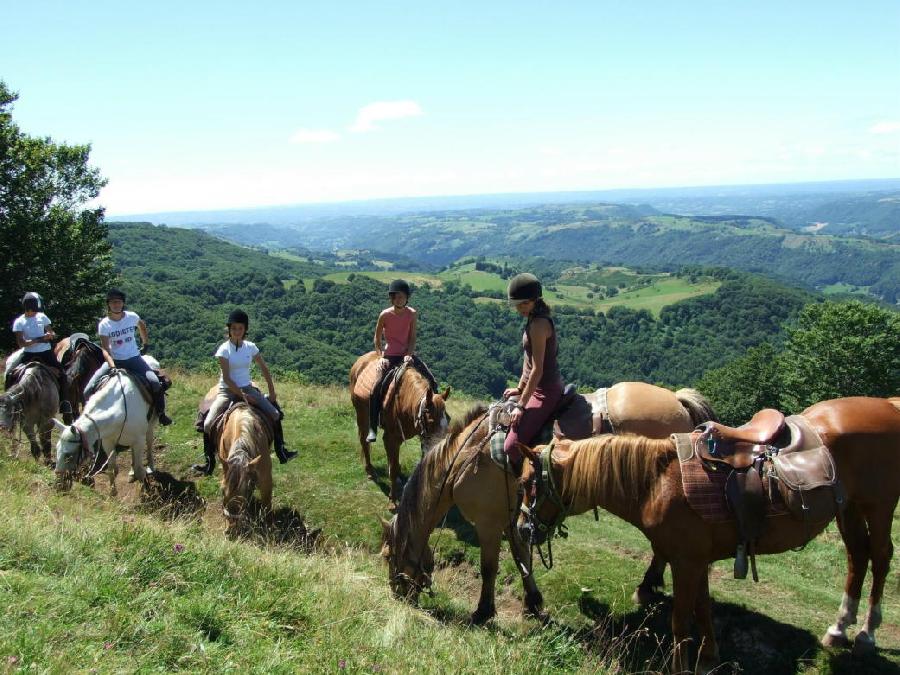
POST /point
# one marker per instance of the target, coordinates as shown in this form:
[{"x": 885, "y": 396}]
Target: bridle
[{"x": 538, "y": 530}]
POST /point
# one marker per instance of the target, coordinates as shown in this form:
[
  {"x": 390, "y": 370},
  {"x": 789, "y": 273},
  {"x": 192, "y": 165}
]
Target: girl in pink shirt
[{"x": 395, "y": 341}]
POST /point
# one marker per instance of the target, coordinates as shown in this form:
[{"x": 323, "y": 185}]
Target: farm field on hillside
[{"x": 96, "y": 582}]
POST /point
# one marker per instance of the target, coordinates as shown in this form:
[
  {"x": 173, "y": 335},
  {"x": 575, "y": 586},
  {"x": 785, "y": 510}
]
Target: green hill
[{"x": 184, "y": 283}]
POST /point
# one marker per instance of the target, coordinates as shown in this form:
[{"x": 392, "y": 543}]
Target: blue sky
[{"x": 202, "y": 105}]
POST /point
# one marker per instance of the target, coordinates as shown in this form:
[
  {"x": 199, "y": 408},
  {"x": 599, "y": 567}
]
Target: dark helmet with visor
[
  {"x": 399, "y": 286},
  {"x": 238, "y": 316},
  {"x": 32, "y": 302},
  {"x": 523, "y": 287}
]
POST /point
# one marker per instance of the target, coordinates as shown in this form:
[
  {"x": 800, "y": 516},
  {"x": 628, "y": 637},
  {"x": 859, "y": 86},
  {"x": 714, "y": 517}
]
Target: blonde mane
[{"x": 617, "y": 468}]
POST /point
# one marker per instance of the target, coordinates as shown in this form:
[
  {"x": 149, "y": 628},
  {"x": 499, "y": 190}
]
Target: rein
[{"x": 545, "y": 491}]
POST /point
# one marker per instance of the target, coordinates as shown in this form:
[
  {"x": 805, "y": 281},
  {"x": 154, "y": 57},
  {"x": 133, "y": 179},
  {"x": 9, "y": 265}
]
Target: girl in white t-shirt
[
  {"x": 118, "y": 332},
  {"x": 34, "y": 334},
  {"x": 235, "y": 356}
]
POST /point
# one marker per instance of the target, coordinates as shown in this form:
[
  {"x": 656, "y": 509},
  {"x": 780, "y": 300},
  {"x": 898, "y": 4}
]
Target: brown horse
[
  {"x": 31, "y": 404},
  {"x": 458, "y": 471},
  {"x": 639, "y": 480},
  {"x": 246, "y": 463},
  {"x": 413, "y": 411},
  {"x": 80, "y": 364}
]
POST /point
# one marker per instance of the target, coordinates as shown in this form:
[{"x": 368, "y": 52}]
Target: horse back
[
  {"x": 646, "y": 410},
  {"x": 863, "y": 435}
]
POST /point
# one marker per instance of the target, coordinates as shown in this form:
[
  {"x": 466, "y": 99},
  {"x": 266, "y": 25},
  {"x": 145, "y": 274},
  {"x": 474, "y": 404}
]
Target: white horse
[{"x": 116, "y": 416}]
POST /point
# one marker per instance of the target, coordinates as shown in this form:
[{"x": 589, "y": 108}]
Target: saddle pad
[
  {"x": 367, "y": 379},
  {"x": 704, "y": 485}
]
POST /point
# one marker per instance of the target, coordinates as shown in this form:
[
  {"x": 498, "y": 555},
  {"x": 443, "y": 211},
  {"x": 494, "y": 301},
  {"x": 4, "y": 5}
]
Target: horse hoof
[
  {"x": 835, "y": 641},
  {"x": 370, "y": 472},
  {"x": 643, "y": 597},
  {"x": 480, "y": 618},
  {"x": 863, "y": 645}
]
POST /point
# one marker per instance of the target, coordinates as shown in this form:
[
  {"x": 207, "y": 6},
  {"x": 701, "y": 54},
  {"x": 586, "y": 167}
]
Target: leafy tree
[
  {"x": 841, "y": 349},
  {"x": 49, "y": 241},
  {"x": 745, "y": 385}
]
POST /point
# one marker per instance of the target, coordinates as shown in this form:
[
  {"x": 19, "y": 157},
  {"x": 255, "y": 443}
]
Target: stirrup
[{"x": 740, "y": 562}]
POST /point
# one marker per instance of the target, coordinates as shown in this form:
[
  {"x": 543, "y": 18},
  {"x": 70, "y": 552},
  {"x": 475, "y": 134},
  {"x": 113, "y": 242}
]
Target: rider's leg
[
  {"x": 276, "y": 415},
  {"x": 537, "y": 412},
  {"x": 139, "y": 367}
]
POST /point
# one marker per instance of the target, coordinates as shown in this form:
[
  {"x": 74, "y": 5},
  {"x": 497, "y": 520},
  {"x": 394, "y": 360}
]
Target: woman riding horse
[
  {"x": 117, "y": 336},
  {"x": 235, "y": 357},
  {"x": 540, "y": 386},
  {"x": 34, "y": 334}
]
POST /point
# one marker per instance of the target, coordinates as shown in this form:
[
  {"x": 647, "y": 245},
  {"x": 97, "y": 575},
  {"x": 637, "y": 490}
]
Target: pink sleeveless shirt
[{"x": 396, "y": 330}]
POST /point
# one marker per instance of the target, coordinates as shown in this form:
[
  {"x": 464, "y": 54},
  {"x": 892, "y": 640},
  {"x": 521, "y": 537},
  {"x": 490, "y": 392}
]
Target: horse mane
[
  {"x": 247, "y": 446},
  {"x": 432, "y": 470},
  {"x": 616, "y": 468},
  {"x": 413, "y": 387},
  {"x": 81, "y": 362},
  {"x": 697, "y": 405},
  {"x": 31, "y": 383}
]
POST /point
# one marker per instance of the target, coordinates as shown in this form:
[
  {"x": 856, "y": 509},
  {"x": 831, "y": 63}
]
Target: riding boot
[
  {"x": 209, "y": 451},
  {"x": 284, "y": 455},
  {"x": 159, "y": 400},
  {"x": 374, "y": 414},
  {"x": 740, "y": 561}
]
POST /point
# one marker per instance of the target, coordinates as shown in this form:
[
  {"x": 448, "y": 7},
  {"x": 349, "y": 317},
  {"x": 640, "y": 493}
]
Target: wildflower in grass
[
  {"x": 107, "y": 645},
  {"x": 12, "y": 660},
  {"x": 342, "y": 664},
  {"x": 178, "y": 548}
]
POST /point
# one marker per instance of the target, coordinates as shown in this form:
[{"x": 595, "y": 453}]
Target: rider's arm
[
  {"x": 23, "y": 342},
  {"x": 142, "y": 329},
  {"x": 104, "y": 342},
  {"x": 539, "y": 333},
  {"x": 261, "y": 362},
  {"x": 411, "y": 348},
  {"x": 226, "y": 377},
  {"x": 379, "y": 330}
]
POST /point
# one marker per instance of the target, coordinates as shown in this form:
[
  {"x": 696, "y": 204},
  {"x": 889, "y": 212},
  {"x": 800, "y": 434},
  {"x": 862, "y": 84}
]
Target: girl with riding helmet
[
  {"x": 34, "y": 334},
  {"x": 395, "y": 341},
  {"x": 540, "y": 386},
  {"x": 118, "y": 332},
  {"x": 235, "y": 356}
]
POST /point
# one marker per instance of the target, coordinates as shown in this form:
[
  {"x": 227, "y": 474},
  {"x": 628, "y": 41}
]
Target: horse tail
[{"x": 697, "y": 405}]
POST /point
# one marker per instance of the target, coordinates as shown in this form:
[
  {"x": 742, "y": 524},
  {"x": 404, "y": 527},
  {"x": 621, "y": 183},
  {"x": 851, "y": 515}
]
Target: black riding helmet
[
  {"x": 32, "y": 302},
  {"x": 523, "y": 287},
  {"x": 399, "y": 286},
  {"x": 238, "y": 316}
]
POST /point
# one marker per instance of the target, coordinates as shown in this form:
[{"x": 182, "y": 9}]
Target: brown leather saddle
[
  {"x": 219, "y": 423},
  {"x": 739, "y": 446}
]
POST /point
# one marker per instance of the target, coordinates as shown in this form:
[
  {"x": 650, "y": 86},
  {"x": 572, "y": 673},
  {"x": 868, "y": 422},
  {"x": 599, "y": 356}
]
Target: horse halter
[
  {"x": 539, "y": 530},
  {"x": 415, "y": 587}
]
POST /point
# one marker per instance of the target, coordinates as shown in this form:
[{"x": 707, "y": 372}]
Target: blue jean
[{"x": 226, "y": 396}]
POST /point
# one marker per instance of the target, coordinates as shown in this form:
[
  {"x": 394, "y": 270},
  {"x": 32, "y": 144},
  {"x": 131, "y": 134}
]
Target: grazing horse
[
  {"x": 246, "y": 463},
  {"x": 458, "y": 472},
  {"x": 115, "y": 417},
  {"x": 80, "y": 358},
  {"x": 639, "y": 480},
  {"x": 31, "y": 403},
  {"x": 413, "y": 411}
]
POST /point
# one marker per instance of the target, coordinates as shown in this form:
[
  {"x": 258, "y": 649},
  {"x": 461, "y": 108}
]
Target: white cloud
[
  {"x": 884, "y": 128},
  {"x": 314, "y": 136},
  {"x": 384, "y": 110}
]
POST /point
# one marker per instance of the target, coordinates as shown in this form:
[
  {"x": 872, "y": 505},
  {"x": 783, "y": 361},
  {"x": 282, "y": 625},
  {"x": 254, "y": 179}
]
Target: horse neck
[
  {"x": 33, "y": 382},
  {"x": 427, "y": 495},
  {"x": 617, "y": 473},
  {"x": 250, "y": 433},
  {"x": 108, "y": 405},
  {"x": 413, "y": 388},
  {"x": 83, "y": 362}
]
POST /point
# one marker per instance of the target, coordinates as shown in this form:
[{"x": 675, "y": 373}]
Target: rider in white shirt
[{"x": 118, "y": 331}]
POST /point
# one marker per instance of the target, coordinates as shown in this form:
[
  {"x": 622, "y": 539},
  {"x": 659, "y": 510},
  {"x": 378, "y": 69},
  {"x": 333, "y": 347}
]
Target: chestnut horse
[
  {"x": 485, "y": 494},
  {"x": 458, "y": 472},
  {"x": 414, "y": 411},
  {"x": 639, "y": 480},
  {"x": 246, "y": 463}
]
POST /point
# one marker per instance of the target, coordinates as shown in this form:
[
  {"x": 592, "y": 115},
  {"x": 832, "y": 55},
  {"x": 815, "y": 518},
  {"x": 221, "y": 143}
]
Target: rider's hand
[
  {"x": 511, "y": 391},
  {"x": 516, "y": 416}
]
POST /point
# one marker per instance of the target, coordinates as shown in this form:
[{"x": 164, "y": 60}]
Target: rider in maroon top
[{"x": 540, "y": 386}]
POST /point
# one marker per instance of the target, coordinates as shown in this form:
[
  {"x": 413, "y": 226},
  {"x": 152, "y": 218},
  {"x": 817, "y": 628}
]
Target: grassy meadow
[{"x": 93, "y": 583}]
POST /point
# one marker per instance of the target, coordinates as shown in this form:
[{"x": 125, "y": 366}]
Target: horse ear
[
  {"x": 385, "y": 531},
  {"x": 59, "y": 425},
  {"x": 528, "y": 452},
  {"x": 446, "y": 393}
]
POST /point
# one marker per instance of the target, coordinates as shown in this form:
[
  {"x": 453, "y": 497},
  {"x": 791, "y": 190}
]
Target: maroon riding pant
[{"x": 537, "y": 411}]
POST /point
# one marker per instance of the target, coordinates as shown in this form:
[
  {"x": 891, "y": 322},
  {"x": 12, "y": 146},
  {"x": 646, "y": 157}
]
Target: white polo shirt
[
  {"x": 31, "y": 328},
  {"x": 239, "y": 361}
]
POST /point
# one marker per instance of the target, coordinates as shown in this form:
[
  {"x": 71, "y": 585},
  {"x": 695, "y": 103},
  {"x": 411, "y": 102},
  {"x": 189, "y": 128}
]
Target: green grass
[{"x": 93, "y": 582}]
